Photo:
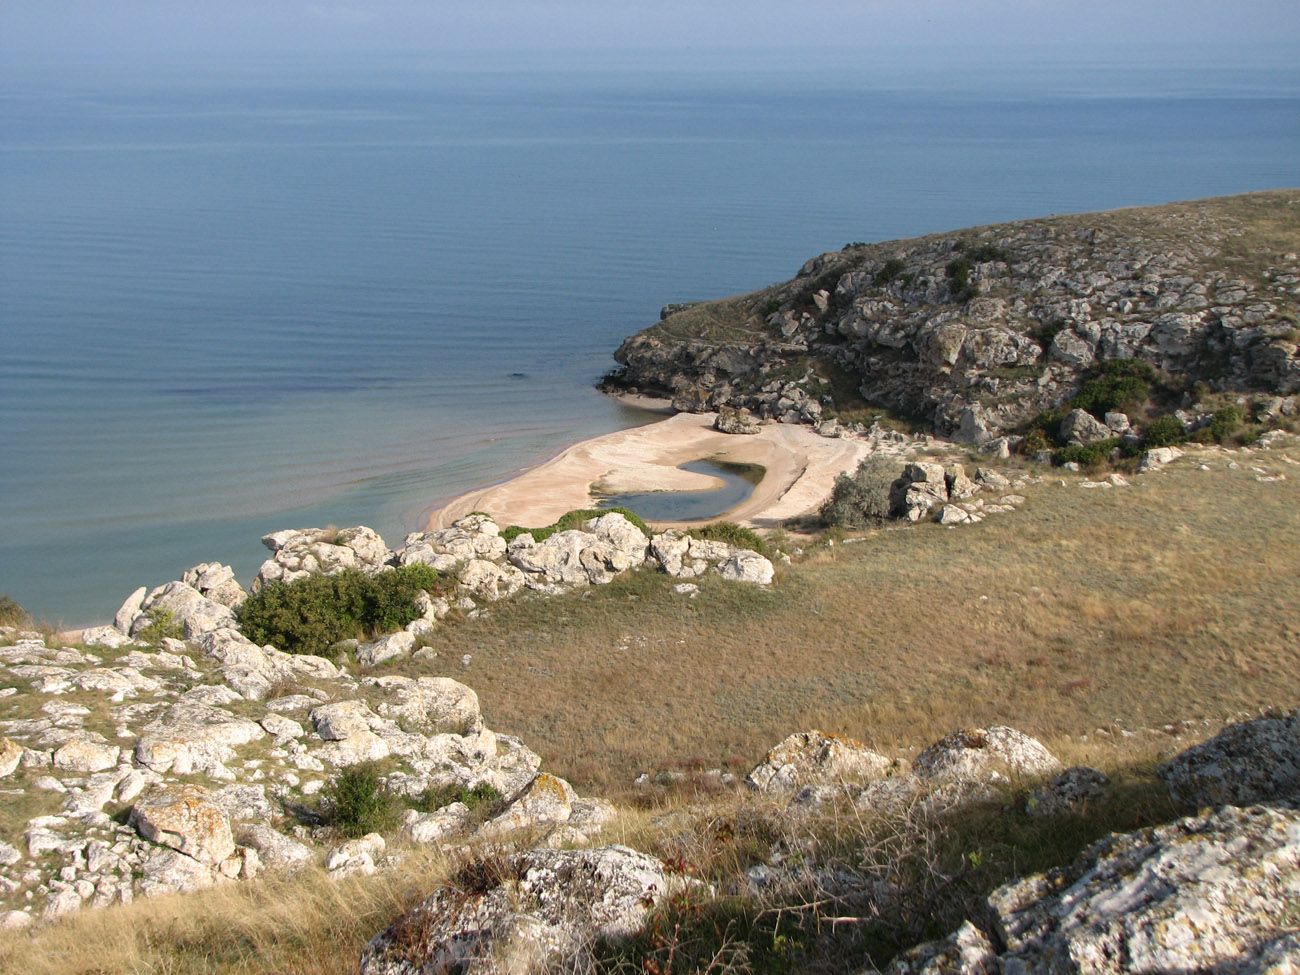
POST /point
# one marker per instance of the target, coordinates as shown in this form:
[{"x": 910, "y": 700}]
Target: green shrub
[
  {"x": 572, "y": 520},
  {"x": 1089, "y": 456},
  {"x": 1225, "y": 423},
  {"x": 162, "y": 625},
  {"x": 731, "y": 533},
  {"x": 311, "y": 614},
  {"x": 988, "y": 252},
  {"x": 1114, "y": 386},
  {"x": 958, "y": 271},
  {"x": 483, "y": 799},
  {"x": 861, "y": 499},
  {"x": 772, "y": 307},
  {"x": 1163, "y": 431},
  {"x": 355, "y": 803},
  {"x": 11, "y": 614},
  {"x": 891, "y": 269}
]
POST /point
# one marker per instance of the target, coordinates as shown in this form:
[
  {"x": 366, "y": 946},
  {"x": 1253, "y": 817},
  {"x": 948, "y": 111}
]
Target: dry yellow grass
[
  {"x": 1131, "y": 607},
  {"x": 306, "y": 925}
]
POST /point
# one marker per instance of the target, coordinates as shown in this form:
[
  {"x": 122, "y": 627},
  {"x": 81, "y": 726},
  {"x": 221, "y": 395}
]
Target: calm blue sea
[{"x": 230, "y": 306}]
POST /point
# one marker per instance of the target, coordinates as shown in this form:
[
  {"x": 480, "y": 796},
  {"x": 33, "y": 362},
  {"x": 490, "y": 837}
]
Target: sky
[{"x": 739, "y": 33}]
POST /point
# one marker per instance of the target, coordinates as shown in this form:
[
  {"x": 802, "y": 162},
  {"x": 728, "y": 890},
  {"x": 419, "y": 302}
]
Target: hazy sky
[{"x": 493, "y": 32}]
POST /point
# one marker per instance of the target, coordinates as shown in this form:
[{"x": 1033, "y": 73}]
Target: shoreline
[{"x": 800, "y": 469}]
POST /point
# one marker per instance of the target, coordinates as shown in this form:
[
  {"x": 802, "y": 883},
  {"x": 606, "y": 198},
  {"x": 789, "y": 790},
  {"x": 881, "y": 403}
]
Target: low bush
[
  {"x": 891, "y": 269},
  {"x": 311, "y": 614},
  {"x": 572, "y": 520},
  {"x": 1225, "y": 423},
  {"x": 11, "y": 614},
  {"x": 162, "y": 625},
  {"x": 958, "y": 271},
  {"x": 1089, "y": 456},
  {"x": 861, "y": 499},
  {"x": 1114, "y": 386},
  {"x": 735, "y": 535},
  {"x": 985, "y": 253},
  {"x": 1163, "y": 431},
  {"x": 483, "y": 799},
  {"x": 356, "y": 803}
]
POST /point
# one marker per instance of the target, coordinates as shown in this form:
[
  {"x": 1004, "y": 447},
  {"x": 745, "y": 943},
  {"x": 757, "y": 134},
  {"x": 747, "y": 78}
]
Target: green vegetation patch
[
  {"x": 862, "y": 499},
  {"x": 733, "y": 534},
  {"x": 355, "y": 802},
  {"x": 310, "y": 615},
  {"x": 573, "y": 520}
]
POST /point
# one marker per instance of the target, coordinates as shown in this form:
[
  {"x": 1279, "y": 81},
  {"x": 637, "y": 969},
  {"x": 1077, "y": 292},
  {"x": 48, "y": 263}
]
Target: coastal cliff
[{"x": 977, "y": 331}]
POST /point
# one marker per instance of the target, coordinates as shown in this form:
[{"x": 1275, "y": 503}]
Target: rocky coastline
[{"x": 170, "y": 752}]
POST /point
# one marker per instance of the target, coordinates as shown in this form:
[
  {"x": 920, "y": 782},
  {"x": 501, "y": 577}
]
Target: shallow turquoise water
[{"x": 229, "y": 308}]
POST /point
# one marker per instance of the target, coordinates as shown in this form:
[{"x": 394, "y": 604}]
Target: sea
[{"x": 237, "y": 302}]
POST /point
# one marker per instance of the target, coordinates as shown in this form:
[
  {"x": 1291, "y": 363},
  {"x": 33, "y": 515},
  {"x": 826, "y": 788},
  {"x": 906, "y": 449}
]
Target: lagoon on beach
[{"x": 238, "y": 304}]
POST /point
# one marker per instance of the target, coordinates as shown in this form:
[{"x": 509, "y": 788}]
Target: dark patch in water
[{"x": 739, "y": 481}]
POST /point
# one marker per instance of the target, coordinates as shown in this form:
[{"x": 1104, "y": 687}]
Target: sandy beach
[{"x": 801, "y": 467}]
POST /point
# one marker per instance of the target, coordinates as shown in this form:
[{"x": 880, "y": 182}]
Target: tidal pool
[{"x": 738, "y": 484}]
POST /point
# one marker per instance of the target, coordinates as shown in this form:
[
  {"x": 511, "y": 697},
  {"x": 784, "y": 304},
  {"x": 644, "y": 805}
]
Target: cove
[{"x": 739, "y": 481}]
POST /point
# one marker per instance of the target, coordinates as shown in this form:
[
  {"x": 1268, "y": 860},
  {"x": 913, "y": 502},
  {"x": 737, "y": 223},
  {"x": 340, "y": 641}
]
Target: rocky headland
[{"x": 976, "y": 332}]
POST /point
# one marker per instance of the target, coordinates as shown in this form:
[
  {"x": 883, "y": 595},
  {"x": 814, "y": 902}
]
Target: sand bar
[{"x": 801, "y": 467}]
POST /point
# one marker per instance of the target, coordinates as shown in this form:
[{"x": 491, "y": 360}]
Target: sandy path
[{"x": 801, "y": 467}]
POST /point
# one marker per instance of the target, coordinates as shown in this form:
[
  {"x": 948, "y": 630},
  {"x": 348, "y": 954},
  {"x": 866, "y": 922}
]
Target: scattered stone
[
  {"x": 815, "y": 758},
  {"x": 187, "y": 819}
]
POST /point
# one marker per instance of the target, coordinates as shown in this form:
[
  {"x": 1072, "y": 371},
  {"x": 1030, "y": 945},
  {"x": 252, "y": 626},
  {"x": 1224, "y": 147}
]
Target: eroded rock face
[
  {"x": 814, "y": 758},
  {"x": 1254, "y": 761},
  {"x": 297, "y": 553},
  {"x": 474, "y": 537},
  {"x": 1190, "y": 896},
  {"x": 1211, "y": 893},
  {"x": 519, "y": 914},
  {"x": 185, "y": 818}
]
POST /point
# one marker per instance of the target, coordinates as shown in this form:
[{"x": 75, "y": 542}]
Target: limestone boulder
[
  {"x": 1253, "y": 761},
  {"x": 490, "y": 581},
  {"x": 524, "y": 913},
  {"x": 185, "y": 818},
  {"x": 394, "y": 646},
  {"x": 131, "y": 607},
  {"x": 747, "y": 566},
  {"x": 734, "y": 421},
  {"x": 472, "y": 537},
  {"x": 11, "y": 755},
  {"x": 187, "y": 606},
  {"x": 984, "y": 755},
  {"x": 81, "y": 755},
  {"x": 278, "y": 852},
  {"x": 1207, "y": 893},
  {"x": 429, "y": 705},
  {"x": 815, "y": 758},
  {"x": 301, "y": 552},
  {"x": 216, "y": 582},
  {"x": 1081, "y": 427},
  {"x": 193, "y": 737},
  {"x": 546, "y": 802}
]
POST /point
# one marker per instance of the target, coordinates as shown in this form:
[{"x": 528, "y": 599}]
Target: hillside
[{"x": 975, "y": 332}]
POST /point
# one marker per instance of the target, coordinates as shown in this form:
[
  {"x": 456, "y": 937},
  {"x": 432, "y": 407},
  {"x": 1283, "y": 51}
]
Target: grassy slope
[
  {"x": 1168, "y": 600},
  {"x": 1172, "y": 599}
]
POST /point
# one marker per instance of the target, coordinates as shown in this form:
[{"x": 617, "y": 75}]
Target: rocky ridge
[{"x": 979, "y": 330}]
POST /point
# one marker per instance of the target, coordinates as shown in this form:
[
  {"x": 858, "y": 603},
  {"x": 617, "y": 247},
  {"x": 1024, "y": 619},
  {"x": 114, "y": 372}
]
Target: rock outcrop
[
  {"x": 1254, "y": 761},
  {"x": 979, "y": 330},
  {"x": 1210, "y": 893},
  {"x": 524, "y": 913}
]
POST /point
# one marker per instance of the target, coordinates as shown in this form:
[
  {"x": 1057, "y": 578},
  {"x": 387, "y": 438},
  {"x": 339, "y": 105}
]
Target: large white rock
[
  {"x": 185, "y": 818},
  {"x": 815, "y": 758},
  {"x": 983, "y": 755},
  {"x": 191, "y": 737},
  {"x": 523, "y": 913},
  {"x": 471, "y": 537},
  {"x": 429, "y": 705}
]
